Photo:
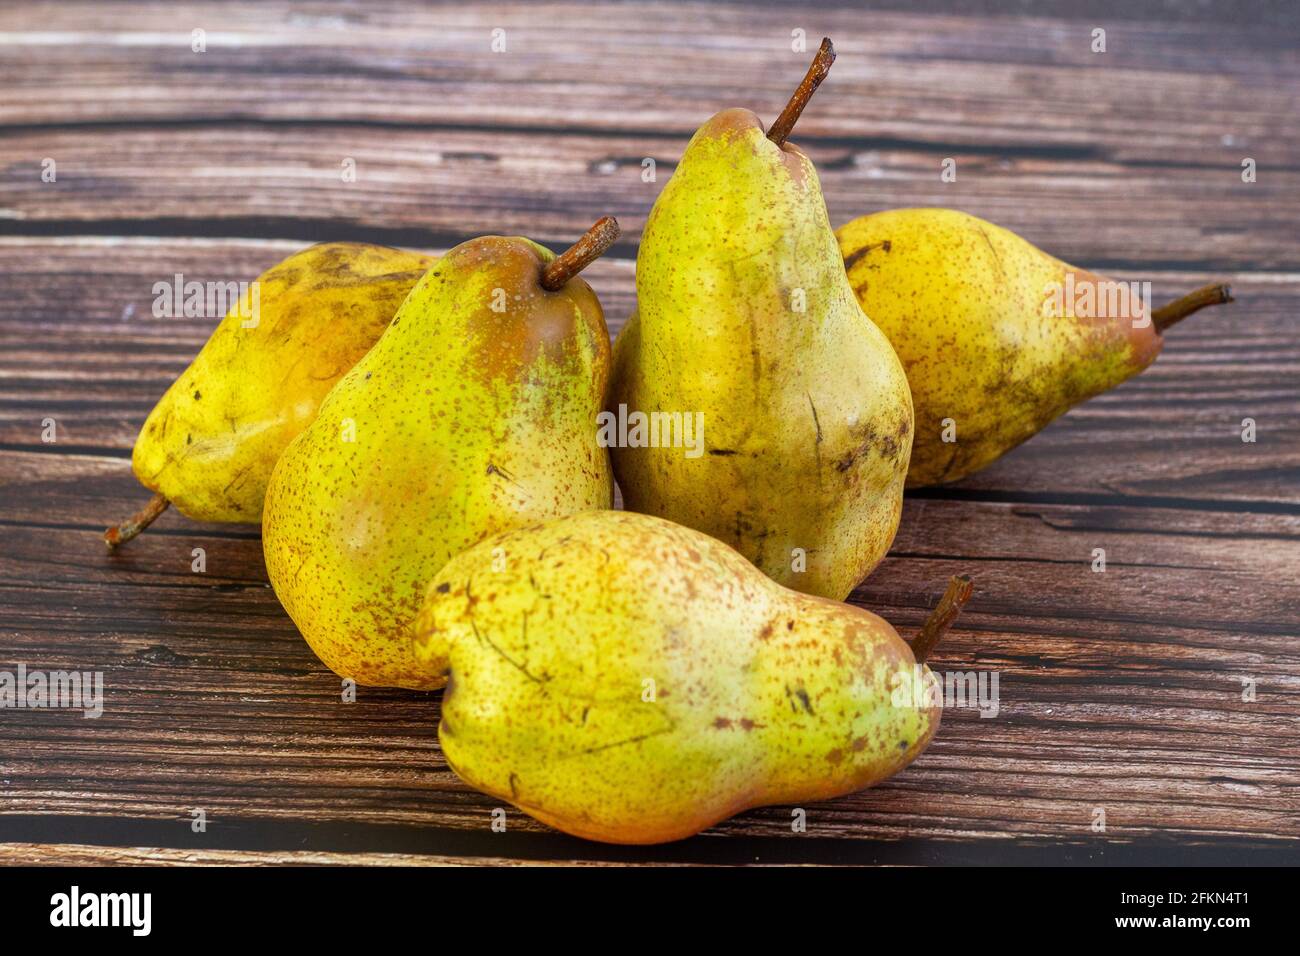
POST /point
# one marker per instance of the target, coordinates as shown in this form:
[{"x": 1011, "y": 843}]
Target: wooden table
[{"x": 1120, "y": 691}]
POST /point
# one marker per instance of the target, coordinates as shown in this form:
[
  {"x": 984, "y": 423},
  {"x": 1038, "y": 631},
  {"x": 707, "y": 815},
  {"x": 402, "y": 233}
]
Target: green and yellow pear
[
  {"x": 210, "y": 443},
  {"x": 747, "y": 325},
  {"x": 998, "y": 337},
  {"x": 475, "y": 413},
  {"x": 626, "y": 679}
]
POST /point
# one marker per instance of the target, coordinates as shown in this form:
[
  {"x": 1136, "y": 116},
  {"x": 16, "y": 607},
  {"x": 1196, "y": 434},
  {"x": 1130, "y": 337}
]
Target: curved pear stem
[
  {"x": 941, "y": 618},
  {"x": 581, "y": 254},
  {"x": 821, "y": 65},
  {"x": 120, "y": 534},
  {"x": 1179, "y": 309}
]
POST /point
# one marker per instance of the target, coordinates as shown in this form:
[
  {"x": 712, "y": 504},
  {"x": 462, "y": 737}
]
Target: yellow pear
[
  {"x": 473, "y": 414},
  {"x": 998, "y": 337},
  {"x": 627, "y": 679},
  {"x": 747, "y": 329},
  {"x": 210, "y": 443}
]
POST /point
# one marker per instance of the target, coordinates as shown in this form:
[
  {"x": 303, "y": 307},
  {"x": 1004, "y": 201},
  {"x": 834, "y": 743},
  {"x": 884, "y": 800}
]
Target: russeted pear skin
[
  {"x": 745, "y": 314},
  {"x": 629, "y": 680},
  {"x": 210, "y": 443},
  {"x": 994, "y": 343},
  {"x": 473, "y": 414}
]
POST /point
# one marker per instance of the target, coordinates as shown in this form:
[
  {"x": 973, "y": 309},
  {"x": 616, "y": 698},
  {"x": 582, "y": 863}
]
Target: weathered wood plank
[
  {"x": 1119, "y": 690},
  {"x": 72, "y": 854},
  {"x": 80, "y": 854},
  {"x": 1165, "y": 567},
  {"x": 1126, "y": 696},
  {"x": 1162, "y": 88},
  {"x": 78, "y": 343},
  {"x": 430, "y": 187}
]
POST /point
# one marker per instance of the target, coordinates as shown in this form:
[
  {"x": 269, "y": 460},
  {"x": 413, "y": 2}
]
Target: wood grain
[
  {"x": 96, "y": 364},
  {"x": 73, "y": 854},
  {"x": 440, "y": 186},
  {"x": 999, "y": 79},
  {"x": 1120, "y": 691},
  {"x": 1127, "y": 696}
]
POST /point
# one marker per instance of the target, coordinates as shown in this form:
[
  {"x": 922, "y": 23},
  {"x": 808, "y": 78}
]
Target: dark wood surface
[{"x": 1120, "y": 691}]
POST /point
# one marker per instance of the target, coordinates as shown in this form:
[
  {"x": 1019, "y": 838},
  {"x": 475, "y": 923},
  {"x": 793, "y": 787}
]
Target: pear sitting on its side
[
  {"x": 474, "y": 414},
  {"x": 626, "y": 679},
  {"x": 998, "y": 337},
  {"x": 210, "y": 443},
  {"x": 747, "y": 324}
]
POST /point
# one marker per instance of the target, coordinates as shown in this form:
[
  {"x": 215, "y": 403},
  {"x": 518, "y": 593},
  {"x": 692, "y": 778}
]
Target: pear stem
[
  {"x": 821, "y": 65},
  {"x": 942, "y": 617},
  {"x": 581, "y": 254},
  {"x": 1179, "y": 309},
  {"x": 120, "y": 534}
]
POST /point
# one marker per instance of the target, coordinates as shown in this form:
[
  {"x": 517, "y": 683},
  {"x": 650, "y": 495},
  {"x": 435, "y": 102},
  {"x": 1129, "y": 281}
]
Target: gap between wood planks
[
  {"x": 290, "y": 233},
  {"x": 939, "y": 147},
  {"x": 290, "y": 229},
  {"x": 272, "y": 836},
  {"x": 974, "y": 495}
]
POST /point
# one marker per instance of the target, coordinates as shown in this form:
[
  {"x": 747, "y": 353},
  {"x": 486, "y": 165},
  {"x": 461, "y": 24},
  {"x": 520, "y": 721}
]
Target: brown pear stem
[
  {"x": 821, "y": 65},
  {"x": 120, "y": 534},
  {"x": 1179, "y": 309},
  {"x": 941, "y": 618},
  {"x": 581, "y": 254}
]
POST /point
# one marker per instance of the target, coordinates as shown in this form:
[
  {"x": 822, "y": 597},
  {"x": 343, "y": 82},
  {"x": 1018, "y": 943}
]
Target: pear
[
  {"x": 998, "y": 337},
  {"x": 630, "y": 680},
  {"x": 474, "y": 414},
  {"x": 747, "y": 325},
  {"x": 210, "y": 443}
]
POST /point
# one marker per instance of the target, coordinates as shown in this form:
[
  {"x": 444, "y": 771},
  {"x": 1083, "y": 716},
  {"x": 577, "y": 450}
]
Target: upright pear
[
  {"x": 474, "y": 414},
  {"x": 626, "y": 679},
  {"x": 210, "y": 443},
  {"x": 998, "y": 337},
  {"x": 747, "y": 325}
]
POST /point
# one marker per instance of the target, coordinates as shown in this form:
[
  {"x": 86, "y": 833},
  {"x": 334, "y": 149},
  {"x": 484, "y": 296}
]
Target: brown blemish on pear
[
  {"x": 470, "y": 420},
  {"x": 997, "y": 337},
  {"x": 800, "y": 394},
  {"x": 545, "y": 708},
  {"x": 251, "y": 390}
]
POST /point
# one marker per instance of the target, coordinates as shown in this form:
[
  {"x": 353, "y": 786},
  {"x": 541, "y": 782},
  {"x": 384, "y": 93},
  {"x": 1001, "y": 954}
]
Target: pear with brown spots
[
  {"x": 998, "y": 337},
  {"x": 474, "y": 414},
  {"x": 746, "y": 323},
  {"x": 210, "y": 443},
  {"x": 627, "y": 679}
]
